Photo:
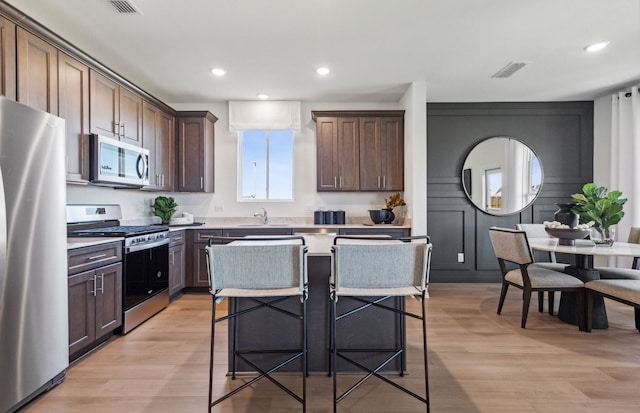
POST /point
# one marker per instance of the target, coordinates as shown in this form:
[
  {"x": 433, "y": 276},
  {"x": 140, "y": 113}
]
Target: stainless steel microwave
[{"x": 116, "y": 163}]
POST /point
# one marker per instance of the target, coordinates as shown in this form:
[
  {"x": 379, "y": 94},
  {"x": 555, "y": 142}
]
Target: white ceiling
[{"x": 374, "y": 48}]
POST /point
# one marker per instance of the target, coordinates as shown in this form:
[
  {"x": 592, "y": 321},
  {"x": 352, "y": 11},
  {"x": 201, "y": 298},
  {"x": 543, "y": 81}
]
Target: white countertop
[{"x": 79, "y": 242}]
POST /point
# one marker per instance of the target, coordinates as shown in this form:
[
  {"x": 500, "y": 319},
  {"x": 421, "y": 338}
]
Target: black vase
[
  {"x": 389, "y": 216},
  {"x": 566, "y": 216}
]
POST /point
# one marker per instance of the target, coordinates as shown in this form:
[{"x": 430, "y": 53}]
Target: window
[{"x": 265, "y": 160}]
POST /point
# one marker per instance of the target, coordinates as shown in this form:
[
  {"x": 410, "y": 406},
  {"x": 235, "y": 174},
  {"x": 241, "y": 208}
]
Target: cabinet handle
[
  {"x": 384, "y": 181},
  {"x": 123, "y": 130},
  {"x": 176, "y": 238},
  {"x": 116, "y": 129},
  {"x": 95, "y": 286},
  {"x": 201, "y": 182},
  {"x": 378, "y": 181},
  {"x": 101, "y": 284},
  {"x": 172, "y": 256},
  {"x": 206, "y": 237},
  {"x": 340, "y": 181},
  {"x": 335, "y": 182},
  {"x": 96, "y": 257},
  {"x": 162, "y": 180}
]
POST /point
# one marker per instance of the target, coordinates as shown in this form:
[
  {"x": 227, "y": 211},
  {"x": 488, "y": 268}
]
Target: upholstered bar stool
[
  {"x": 370, "y": 271},
  {"x": 266, "y": 271}
]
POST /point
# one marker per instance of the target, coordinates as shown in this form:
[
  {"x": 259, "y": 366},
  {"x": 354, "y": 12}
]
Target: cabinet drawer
[
  {"x": 176, "y": 238},
  {"x": 87, "y": 258},
  {"x": 204, "y": 235}
]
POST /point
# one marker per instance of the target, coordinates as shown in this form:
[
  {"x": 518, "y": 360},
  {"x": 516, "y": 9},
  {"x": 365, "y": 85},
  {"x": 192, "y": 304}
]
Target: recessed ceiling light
[
  {"x": 263, "y": 96},
  {"x": 323, "y": 71},
  {"x": 596, "y": 46},
  {"x": 218, "y": 72}
]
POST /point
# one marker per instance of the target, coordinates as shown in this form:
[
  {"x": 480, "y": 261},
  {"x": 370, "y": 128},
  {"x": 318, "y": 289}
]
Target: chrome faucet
[{"x": 263, "y": 215}]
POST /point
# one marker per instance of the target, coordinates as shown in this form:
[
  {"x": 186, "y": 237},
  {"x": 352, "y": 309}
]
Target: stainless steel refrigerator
[{"x": 33, "y": 256}]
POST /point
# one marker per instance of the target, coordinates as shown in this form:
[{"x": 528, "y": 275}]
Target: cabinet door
[
  {"x": 130, "y": 117},
  {"x": 191, "y": 152},
  {"x": 165, "y": 158},
  {"x": 104, "y": 95},
  {"x": 82, "y": 310},
  {"x": 108, "y": 299},
  {"x": 371, "y": 155},
  {"x": 149, "y": 133},
  {"x": 392, "y": 145},
  {"x": 73, "y": 94},
  {"x": 7, "y": 58},
  {"x": 327, "y": 154},
  {"x": 37, "y": 69},
  {"x": 348, "y": 154},
  {"x": 200, "y": 274},
  {"x": 176, "y": 268}
]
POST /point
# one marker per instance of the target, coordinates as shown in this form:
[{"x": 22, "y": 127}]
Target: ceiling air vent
[
  {"x": 125, "y": 7},
  {"x": 508, "y": 70}
]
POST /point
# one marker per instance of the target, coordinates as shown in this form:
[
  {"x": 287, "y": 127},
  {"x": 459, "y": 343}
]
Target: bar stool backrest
[
  {"x": 381, "y": 264},
  {"x": 264, "y": 266}
]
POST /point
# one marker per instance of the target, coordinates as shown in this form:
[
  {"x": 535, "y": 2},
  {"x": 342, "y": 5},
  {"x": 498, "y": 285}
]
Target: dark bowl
[
  {"x": 568, "y": 233},
  {"x": 377, "y": 216}
]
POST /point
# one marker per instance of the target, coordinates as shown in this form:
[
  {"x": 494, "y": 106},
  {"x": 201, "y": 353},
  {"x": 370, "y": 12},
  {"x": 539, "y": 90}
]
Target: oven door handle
[{"x": 146, "y": 245}]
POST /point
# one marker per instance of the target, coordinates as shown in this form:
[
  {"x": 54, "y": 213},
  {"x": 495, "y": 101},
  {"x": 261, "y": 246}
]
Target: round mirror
[{"x": 502, "y": 175}]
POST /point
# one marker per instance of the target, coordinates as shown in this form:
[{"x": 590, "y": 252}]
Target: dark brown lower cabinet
[
  {"x": 95, "y": 298},
  {"x": 176, "y": 263}
]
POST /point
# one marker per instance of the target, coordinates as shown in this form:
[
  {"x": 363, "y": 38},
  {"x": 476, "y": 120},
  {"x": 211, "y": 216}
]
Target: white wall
[
  {"x": 602, "y": 141},
  {"x": 223, "y": 203}
]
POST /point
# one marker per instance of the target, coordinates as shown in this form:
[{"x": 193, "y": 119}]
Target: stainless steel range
[{"x": 145, "y": 277}]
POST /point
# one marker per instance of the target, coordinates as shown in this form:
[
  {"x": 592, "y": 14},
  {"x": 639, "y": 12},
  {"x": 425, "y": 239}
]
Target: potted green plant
[
  {"x": 600, "y": 207},
  {"x": 164, "y": 207},
  {"x": 396, "y": 204}
]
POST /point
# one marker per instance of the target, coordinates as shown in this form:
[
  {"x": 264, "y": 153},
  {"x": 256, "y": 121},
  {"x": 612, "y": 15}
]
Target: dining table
[{"x": 584, "y": 251}]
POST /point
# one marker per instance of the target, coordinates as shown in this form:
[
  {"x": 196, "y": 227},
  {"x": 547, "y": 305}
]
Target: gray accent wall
[{"x": 561, "y": 133}]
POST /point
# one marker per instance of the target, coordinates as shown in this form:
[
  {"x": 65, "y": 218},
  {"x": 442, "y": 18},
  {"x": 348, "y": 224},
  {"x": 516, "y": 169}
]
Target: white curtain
[
  {"x": 264, "y": 115},
  {"x": 625, "y": 158}
]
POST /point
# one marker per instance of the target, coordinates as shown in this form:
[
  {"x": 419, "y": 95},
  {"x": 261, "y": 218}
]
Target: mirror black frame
[{"x": 468, "y": 175}]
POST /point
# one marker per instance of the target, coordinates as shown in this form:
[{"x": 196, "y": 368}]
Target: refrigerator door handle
[{"x": 3, "y": 236}]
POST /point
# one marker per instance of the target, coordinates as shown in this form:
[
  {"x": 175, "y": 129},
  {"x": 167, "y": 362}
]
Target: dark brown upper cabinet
[
  {"x": 37, "y": 72},
  {"x": 359, "y": 150},
  {"x": 195, "y": 154},
  {"x": 7, "y": 58},
  {"x": 114, "y": 110},
  {"x": 158, "y": 137}
]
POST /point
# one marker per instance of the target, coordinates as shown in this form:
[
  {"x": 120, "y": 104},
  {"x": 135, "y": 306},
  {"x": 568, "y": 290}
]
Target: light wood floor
[{"x": 478, "y": 362}]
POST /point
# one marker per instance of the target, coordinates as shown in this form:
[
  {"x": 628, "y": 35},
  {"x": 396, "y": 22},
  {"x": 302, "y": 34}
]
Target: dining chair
[
  {"x": 370, "y": 271},
  {"x": 615, "y": 273},
  {"x": 537, "y": 231},
  {"x": 264, "y": 272},
  {"x": 512, "y": 247}
]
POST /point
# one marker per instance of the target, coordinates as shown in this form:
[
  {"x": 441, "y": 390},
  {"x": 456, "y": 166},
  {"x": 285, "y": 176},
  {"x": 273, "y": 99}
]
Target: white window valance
[{"x": 264, "y": 115}]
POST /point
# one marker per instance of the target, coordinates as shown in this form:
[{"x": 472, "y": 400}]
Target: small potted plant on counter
[
  {"x": 396, "y": 204},
  {"x": 164, "y": 207},
  {"x": 602, "y": 208}
]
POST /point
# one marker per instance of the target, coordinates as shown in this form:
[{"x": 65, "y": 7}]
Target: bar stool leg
[
  {"x": 213, "y": 335},
  {"x": 402, "y": 320},
  {"x": 305, "y": 349},
  {"x": 424, "y": 350},
  {"x": 334, "y": 353}
]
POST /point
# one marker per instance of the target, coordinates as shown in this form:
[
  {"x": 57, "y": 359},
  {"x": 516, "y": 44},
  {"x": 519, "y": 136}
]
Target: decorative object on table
[
  {"x": 565, "y": 215},
  {"x": 567, "y": 235},
  {"x": 603, "y": 208},
  {"x": 164, "y": 207},
  {"x": 379, "y": 216},
  {"x": 398, "y": 208}
]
